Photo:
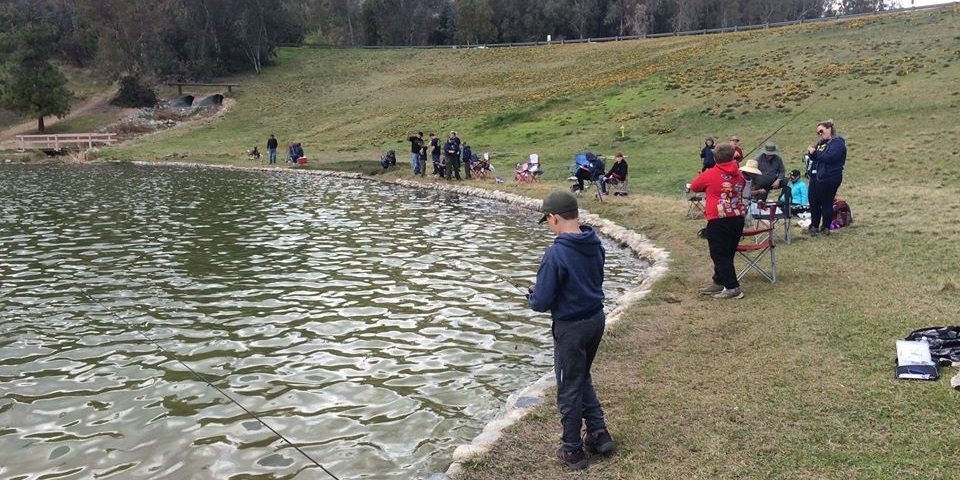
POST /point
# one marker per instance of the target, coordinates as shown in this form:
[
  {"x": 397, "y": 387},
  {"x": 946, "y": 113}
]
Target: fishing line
[
  {"x": 789, "y": 121},
  {"x": 503, "y": 279},
  {"x": 203, "y": 379}
]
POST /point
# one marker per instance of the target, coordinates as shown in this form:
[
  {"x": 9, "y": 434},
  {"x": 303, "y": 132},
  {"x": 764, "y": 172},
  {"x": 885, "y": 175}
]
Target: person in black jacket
[
  {"x": 617, "y": 173},
  {"x": 272, "y": 148},
  {"x": 435, "y": 151},
  {"x": 829, "y": 156},
  {"x": 416, "y": 145},
  {"x": 452, "y": 161},
  {"x": 706, "y": 154}
]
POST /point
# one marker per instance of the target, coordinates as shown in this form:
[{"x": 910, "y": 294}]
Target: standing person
[
  {"x": 570, "y": 285},
  {"x": 435, "y": 155},
  {"x": 706, "y": 154},
  {"x": 272, "y": 148},
  {"x": 829, "y": 156},
  {"x": 423, "y": 156},
  {"x": 465, "y": 158},
  {"x": 737, "y": 151},
  {"x": 724, "y": 185},
  {"x": 451, "y": 150},
  {"x": 456, "y": 139},
  {"x": 416, "y": 144}
]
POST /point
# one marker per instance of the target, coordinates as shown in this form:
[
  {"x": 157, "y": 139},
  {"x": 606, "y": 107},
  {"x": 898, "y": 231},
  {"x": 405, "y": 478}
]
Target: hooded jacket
[
  {"x": 570, "y": 278},
  {"x": 707, "y": 155},
  {"x": 829, "y": 157},
  {"x": 724, "y": 185}
]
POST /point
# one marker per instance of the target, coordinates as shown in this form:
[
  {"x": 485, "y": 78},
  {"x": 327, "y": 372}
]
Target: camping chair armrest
[{"x": 750, "y": 232}]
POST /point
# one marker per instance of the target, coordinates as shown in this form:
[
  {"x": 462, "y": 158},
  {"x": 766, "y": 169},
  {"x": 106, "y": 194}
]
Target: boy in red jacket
[{"x": 724, "y": 185}]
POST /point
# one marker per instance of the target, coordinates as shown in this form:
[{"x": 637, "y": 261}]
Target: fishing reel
[{"x": 808, "y": 166}]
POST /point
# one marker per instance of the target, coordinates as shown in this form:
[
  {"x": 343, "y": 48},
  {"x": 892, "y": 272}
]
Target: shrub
[{"x": 134, "y": 94}]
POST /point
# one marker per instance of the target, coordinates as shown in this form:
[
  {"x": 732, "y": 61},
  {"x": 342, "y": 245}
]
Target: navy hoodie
[
  {"x": 570, "y": 278},
  {"x": 829, "y": 157}
]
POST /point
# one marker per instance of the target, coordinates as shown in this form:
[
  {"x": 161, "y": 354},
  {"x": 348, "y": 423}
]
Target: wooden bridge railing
[
  {"x": 60, "y": 140},
  {"x": 180, "y": 86}
]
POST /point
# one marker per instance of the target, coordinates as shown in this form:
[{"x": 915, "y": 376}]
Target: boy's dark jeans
[
  {"x": 575, "y": 345},
  {"x": 723, "y": 235}
]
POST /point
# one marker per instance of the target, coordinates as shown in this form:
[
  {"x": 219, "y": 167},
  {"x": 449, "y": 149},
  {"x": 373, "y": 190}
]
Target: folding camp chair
[
  {"x": 781, "y": 217},
  {"x": 619, "y": 186},
  {"x": 695, "y": 206},
  {"x": 760, "y": 244}
]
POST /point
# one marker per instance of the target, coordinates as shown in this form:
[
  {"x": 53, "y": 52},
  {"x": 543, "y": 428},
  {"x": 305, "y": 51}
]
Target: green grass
[{"x": 795, "y": 381}]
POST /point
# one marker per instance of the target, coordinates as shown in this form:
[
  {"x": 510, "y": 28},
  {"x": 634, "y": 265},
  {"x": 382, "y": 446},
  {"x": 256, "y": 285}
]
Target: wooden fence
[{"x": 58, "y": 141}]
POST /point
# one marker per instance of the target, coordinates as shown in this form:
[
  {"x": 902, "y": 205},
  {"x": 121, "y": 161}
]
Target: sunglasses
[{"x": 820, "y": 131}]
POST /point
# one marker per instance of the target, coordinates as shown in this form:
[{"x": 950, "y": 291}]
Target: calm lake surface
[{"x": 369, "y": 324}]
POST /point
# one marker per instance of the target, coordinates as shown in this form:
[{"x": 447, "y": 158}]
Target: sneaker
[
  {"x": 599, "y": 442},
  {"x": 825, "y": 231},
  {"x": 729, "y": 293},
  {"x": 712, "y": 289},
  {"x": 573, "y": 459},
  {"x": 812, "y": 231}
]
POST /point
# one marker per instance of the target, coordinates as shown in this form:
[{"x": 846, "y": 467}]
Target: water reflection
[{"x": 373, "y": 326}]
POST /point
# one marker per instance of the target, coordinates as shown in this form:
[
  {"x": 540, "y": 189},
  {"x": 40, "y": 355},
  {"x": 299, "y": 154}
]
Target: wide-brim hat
[
  {"x": 770, "y": 149},
  {"x": 558, "y": 201},
  {"x": 751, "y": 167}
]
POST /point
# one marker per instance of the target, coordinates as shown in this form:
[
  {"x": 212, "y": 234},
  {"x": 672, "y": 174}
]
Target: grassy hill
[{"x": 795, "y": 381}]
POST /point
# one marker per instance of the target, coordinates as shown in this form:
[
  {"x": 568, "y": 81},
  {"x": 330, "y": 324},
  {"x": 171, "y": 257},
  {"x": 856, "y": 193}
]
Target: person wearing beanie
[{"x": 570, "y": 286}]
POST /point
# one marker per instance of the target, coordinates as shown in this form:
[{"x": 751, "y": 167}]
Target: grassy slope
[{"x": 793, "y": 381}]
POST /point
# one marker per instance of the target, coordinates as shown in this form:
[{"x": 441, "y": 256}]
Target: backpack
[
  {"x": 842, "y": 216},
  {"x": 944, "y": 341}
]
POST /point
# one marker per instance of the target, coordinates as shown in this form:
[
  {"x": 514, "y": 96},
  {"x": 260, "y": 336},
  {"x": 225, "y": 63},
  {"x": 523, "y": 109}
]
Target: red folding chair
[
  {"x": 760, "y": 245},
  {"x": 782, "y": 217}
]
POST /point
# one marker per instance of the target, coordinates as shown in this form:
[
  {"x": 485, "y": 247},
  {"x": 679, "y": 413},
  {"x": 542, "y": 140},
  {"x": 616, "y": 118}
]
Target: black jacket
[{"x": 620, "y": 168}]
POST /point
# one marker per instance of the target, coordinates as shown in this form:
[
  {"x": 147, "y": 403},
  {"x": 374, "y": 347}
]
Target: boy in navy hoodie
[{"x": 569, "y": 285}]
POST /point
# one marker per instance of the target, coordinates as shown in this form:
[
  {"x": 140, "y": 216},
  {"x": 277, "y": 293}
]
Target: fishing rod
[
  {"x": 789, "y": 121},
  {"x": 203, "y": 379},
  {"x": 524, "y": 290}
]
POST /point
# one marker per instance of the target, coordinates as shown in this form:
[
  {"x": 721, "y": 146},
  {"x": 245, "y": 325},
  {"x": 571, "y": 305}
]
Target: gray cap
[{"x": 558, "y": 201}]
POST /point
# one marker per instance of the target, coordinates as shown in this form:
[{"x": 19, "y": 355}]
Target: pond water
[{"x": 374, "y": 326}]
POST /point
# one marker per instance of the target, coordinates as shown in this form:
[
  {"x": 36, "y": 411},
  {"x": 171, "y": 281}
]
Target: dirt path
[{"x": 96, "y": 101}]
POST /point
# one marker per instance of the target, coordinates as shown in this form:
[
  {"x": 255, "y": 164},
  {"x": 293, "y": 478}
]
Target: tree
[
  {"x": 628, "y": 17},
  {"x": 862, "y": 6},
  {"x": 474, "y": 22},
  {"x": 30, "y": 85}
]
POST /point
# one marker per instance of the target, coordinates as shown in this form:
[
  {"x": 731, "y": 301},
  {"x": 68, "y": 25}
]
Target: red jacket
[{"x": 724, "y": 185}]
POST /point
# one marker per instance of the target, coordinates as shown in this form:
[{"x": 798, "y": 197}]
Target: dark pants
[
  {"x": 723, "y": 235},
  {"x": 436, "y": 166},
  {"x": 822, "y": 195},
  {"x": 575, "y": 345},
  {"x": 582, "y": 175},
  {"x": 453, "y": 167},
  {"x": 466, "y": 169}
]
